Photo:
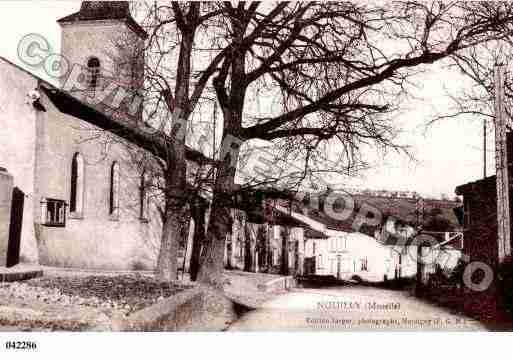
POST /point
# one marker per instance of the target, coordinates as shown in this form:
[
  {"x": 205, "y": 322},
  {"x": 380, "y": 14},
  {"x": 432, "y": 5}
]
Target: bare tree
[{"x": 339, "y": 72}]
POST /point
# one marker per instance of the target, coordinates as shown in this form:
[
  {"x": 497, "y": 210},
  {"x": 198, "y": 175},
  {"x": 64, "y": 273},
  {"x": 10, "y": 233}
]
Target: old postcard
[{"x": 255, "y": 166}]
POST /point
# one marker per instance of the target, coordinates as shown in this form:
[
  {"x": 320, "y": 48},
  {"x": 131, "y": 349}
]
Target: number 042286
[{"x": 20, "y": 345}]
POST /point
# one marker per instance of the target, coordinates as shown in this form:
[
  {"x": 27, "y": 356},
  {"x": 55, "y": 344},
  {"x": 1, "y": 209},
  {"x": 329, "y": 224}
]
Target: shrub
[{"x": 138, "y": 265}]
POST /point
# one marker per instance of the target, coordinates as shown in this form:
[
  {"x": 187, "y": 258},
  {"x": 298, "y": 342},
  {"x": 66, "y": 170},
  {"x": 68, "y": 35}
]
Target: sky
[{"x": 448, "y": 154}]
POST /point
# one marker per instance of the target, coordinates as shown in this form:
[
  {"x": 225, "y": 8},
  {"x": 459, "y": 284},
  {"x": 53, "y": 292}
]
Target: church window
[
  {"x": 93, "y": 67},
  {"x": 114, "y": 190},
  {"x": 76, "y": 203},
  {"x": 143, "y": 196}
]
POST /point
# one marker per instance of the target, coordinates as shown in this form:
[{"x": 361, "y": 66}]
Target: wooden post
[{"x": 501, "y": 164}]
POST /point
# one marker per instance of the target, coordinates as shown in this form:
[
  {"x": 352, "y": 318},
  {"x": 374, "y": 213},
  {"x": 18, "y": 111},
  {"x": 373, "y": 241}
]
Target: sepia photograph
[{"x": 288, "y": 167}]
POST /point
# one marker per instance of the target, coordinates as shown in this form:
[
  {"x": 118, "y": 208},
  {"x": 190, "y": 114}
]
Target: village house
[
  {"x": 484, "y": 248},
  {"x": 78, "y": 199},
  {"x": 351, "y": 255},
  {"x": 480, "y": 220}
]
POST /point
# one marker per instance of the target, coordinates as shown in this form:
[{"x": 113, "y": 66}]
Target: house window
[
  {"x": 114, "y": 190},
  {"x": 53, "y": 212},
  {"x": 319, "y": 261},
  {"x": 363, "y": 264},
  {"x": 313, "y": 248},
  {"x": 93, "y": 67},
  {"x": 466, "y": 211},
  {"x": 143, "y": 197},
  {"x": 76, "y": 203}
]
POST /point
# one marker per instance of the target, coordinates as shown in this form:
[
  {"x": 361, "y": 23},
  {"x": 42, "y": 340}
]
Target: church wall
[
  {"x": 17, "y": 144},
  {"x": 94, "y": 240}
]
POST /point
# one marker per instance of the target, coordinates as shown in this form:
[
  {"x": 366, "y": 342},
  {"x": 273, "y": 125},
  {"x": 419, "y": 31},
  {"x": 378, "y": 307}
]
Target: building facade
[{"x": 348, "y": 255}]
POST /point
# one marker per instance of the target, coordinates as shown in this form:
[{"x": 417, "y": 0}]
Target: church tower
[{"x": 105, "y": 40}]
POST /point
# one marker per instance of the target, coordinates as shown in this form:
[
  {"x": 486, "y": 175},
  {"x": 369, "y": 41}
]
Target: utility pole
[
  {"x": 420, "y": 264},
  {"x": 501, "y": 164}
]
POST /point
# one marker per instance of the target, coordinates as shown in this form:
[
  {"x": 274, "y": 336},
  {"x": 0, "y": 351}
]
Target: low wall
[
  {"x": 195, "y": 309},
  {"x": 278, "y": 284},
  {"x": 8, "y": 275}
]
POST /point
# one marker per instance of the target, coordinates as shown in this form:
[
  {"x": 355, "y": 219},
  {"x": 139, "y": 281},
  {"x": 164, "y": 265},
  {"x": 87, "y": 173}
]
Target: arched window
[
  {"x": 76, "y": 202},
  {"x": 93, "y": 66},
  {"x": 143, "y": 196},
  {"x": 114, "y": 189}
]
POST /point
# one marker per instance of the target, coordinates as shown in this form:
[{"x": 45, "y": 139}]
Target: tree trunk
[
  {"x": 211, "y": 267},
  {"x": 174, "y": 212},
  {"x": 211, "y": 261},
  {"x": 167, "y": 261},
  {"x": 198, "y": 215},
  {"x": 212, "y": 256},
  {"x": 247, "y": 248}
]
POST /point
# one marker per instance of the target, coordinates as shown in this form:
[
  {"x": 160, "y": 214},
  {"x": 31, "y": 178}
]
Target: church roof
[
  {"x": 68, "y": 104},
  {"x": 105, "y": 10}
]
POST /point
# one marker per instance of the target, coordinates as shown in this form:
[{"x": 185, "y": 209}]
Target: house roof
[
  {"x": 105, "y": 10},
  {"x": 484, "y": 183},
  {"x": 263, "y": 206},
  {"x": 426, "y": 239}
]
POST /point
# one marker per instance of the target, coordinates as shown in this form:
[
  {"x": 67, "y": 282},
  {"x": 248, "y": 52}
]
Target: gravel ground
[
  {"x": 125, "y": 293},
  {"x": 78, "y": 302}
]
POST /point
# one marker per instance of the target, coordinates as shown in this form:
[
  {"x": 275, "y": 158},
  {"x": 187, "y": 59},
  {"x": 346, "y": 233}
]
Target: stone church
[{"x": 70, "y": 194}]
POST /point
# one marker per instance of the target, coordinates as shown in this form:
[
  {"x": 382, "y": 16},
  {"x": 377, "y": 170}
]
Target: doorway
[{"x": 13, "y": 246}]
